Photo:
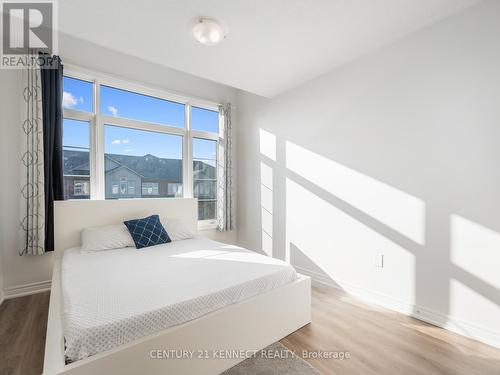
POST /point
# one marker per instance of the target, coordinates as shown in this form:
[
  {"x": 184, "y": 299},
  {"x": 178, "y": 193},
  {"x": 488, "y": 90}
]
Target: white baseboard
[
  {"x": 449, "y": 322},
  {"x": 26, "y": 289}
]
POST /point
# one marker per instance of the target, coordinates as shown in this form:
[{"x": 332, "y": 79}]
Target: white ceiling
[{"x": 272, "y": 45}]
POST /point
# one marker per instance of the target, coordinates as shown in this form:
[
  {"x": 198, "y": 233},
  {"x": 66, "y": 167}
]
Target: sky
[
  {"x": 78, "y": 95},
  {"x": 76, "y": 133}
]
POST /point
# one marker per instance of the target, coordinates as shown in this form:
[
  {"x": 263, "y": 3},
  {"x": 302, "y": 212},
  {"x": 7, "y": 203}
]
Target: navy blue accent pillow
[{"x": 147, "y": 232}]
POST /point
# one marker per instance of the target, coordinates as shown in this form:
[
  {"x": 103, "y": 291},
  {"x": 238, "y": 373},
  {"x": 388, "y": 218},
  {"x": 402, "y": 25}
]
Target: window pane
[
  {"x": 204, "y": 120},
  {"x": 142, "y": 164},
  {"x": 78, "y": 94},
  {"x": 207, "y": 209},
  {"x": 205, "y": 177},
  {"x": 76, "y": 169},
  {"x": 127, "y": 104}
]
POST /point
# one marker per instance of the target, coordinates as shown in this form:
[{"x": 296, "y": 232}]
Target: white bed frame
[{"x": 249, "y": 325}]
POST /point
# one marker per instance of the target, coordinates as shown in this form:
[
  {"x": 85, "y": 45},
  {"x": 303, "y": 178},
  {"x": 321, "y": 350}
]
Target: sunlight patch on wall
[
  {"x": 267, "y": 221},
  {"x": 475, "y": 249},
  {"x": 266, "y": 176},
  {"x": 266, "y": 198},
  {"x": 266, "y": 209},
  {"x": 267, "y": 244},
  {"x": 468, "y": 304},
  {"x": 398, "y": 210},
  {"x": 267, "y": 142}
]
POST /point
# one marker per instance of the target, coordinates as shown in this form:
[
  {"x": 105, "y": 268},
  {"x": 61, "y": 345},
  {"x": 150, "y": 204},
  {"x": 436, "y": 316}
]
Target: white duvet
[{"x": 115, "y": 296}]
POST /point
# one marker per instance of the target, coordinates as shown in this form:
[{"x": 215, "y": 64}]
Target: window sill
[{"x": 207, "y": 225}]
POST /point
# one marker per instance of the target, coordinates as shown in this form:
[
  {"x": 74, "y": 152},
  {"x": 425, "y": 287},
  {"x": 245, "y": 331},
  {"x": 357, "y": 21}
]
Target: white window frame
[{"x": 98, "y": 120}]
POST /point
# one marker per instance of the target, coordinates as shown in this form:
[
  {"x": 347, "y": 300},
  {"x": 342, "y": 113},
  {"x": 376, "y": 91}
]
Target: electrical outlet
[{"x": 378, "y": 261}]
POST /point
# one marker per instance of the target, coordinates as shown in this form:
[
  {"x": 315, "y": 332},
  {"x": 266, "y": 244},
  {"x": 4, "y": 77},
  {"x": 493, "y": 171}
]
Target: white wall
[
  {"x": 19, "y": 271},
  {"x": 91, "y": 56},
  {"x": 396, "y": 153}
]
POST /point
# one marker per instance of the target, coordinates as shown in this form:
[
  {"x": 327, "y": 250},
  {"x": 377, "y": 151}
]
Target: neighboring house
[
  {"x": 76, "y": 175},
  {"x": 147, "y": 176},
  {"x": 121, "y": 181}
]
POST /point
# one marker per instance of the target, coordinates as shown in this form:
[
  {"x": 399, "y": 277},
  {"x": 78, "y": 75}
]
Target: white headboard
[{"x": 70, "y": 217}]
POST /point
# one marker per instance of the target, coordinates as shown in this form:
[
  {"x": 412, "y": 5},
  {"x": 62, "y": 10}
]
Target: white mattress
[{"x": 115, "y": 296}]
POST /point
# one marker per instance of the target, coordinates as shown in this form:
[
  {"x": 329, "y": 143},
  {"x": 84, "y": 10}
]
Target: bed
[{"x": 120, "y": 311}]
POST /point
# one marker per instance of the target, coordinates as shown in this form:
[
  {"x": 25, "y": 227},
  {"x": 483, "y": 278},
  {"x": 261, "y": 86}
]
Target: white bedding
[{"x": 113, "y": 297}]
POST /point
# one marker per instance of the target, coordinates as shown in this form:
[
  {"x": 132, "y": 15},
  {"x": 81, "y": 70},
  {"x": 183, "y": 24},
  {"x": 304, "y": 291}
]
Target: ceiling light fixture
[{"x": 208, "y": 31}]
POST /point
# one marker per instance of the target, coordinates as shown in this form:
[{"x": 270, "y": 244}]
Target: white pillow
[
  {"x": 106, "y": 237},
  {"x": 177, "y": 229}
]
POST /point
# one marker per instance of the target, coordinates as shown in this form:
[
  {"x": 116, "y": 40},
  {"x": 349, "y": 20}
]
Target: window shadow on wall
[{"x": 331, "y": 211}]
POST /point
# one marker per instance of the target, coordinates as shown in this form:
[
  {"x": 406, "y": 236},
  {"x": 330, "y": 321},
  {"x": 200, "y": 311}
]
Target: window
[
  {"x": 142, "y": 157},
  {"x": 130, "y": 105},
  {"x": 204, "y": 120},
  {"x": 138, "y": 143},
  {"x": 123, "y": 185},
  {"x": 174, "y": 189},
  {"x": 81, "y": 188},
  {"x": 76, "y": 159},
  {"x": 205, "y": 177},
  {"x": 77, "y": 94},
  {"x": 150, "y": 188}
]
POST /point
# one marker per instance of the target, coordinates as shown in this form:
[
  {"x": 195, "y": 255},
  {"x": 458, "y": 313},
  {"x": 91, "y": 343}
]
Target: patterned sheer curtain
[
  {"x": 225, "y": 217},
  {"x": 32, "y": 220}
]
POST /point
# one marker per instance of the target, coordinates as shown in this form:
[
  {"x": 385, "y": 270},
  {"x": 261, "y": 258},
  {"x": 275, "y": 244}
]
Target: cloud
[
  {"x": 120, "y": 141},
  {"x": 113, "y": 110},
  {"x": 129, "y": 150},
  {"x": 69, "y": 100}
]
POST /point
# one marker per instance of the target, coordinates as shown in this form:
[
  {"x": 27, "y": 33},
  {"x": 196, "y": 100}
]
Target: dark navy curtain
[{"x": 52, "y": 85}]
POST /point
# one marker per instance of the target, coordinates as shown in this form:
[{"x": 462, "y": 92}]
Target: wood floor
[
  {"x": 384, "y": 342},
  {"x": 23, "y": 323},
  {"x": 379, "y": 341}
]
